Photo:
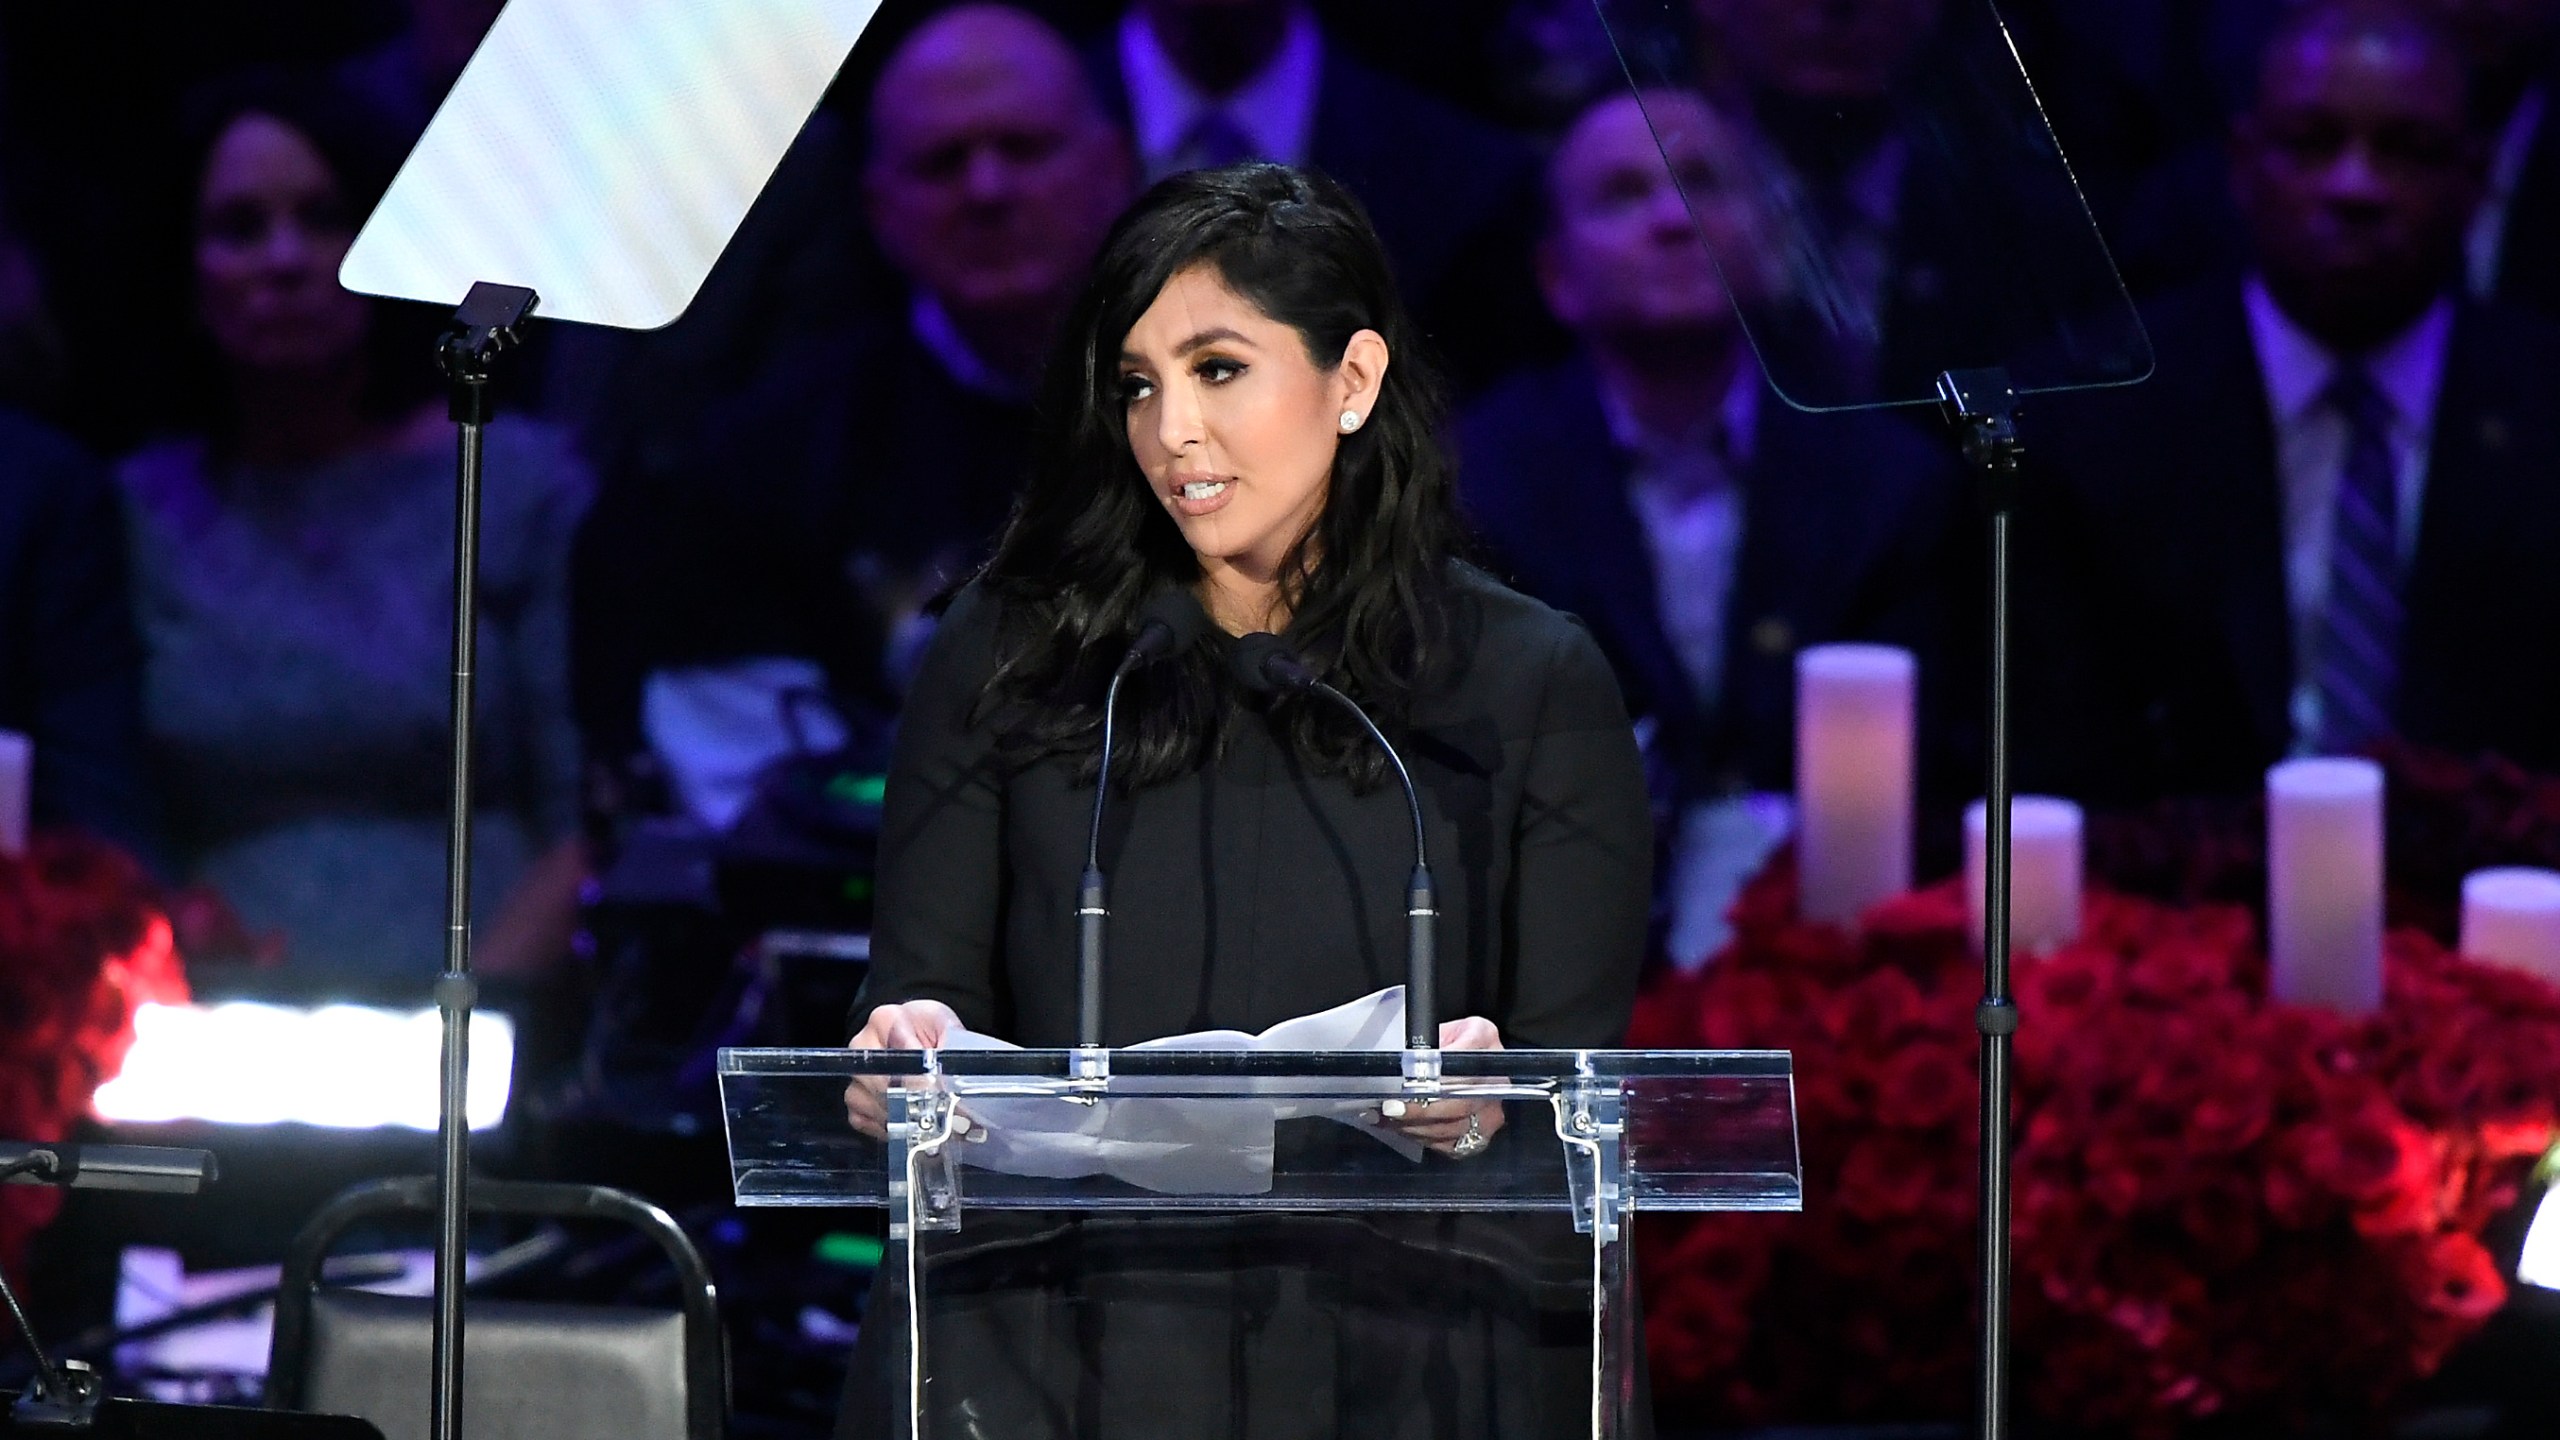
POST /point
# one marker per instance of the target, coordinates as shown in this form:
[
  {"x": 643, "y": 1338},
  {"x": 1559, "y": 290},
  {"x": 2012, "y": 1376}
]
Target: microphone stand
[
  {"x": 1982, "y": 407},
  {"x": 66, "y": 1394},
  {"x": 1093, "y": 909},
  {"x": 1262, "y": 662},
  {"x": 63, "y": 1395},
  {"x": 483, "y": 328},
  {"x": 1422, "y": 914}
]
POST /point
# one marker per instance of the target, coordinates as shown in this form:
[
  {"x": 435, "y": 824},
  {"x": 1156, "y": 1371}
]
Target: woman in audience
[{"x": 293, "y": 563}]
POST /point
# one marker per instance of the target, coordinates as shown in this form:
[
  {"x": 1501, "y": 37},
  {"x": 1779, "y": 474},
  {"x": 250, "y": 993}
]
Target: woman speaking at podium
[{"x": 1237, "y": 411}]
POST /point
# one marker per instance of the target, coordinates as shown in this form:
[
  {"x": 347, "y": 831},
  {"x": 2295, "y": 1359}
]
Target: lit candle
[
  {"x": 2324, "y": 883},
  {"x": 2044, "y": 871},
  {"x": 2513, "y": 917},
  {"x": 17, "y": 771},
  {"x": 1853, "y": 776}
]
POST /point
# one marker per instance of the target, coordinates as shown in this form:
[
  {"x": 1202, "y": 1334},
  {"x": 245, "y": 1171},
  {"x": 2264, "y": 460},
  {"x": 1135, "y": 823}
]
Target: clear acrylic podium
[{"x": 1006, "y": 1151}]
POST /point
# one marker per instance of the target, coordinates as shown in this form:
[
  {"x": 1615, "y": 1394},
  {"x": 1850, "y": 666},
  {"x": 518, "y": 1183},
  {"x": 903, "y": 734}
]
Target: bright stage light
[
  {"x": 2540, "y": 1263},
  {"x": 343, "y": 1066}
]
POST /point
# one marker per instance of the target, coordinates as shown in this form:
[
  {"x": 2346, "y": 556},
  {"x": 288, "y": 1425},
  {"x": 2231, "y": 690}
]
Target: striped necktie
[{"x": 2359, "y": 659}]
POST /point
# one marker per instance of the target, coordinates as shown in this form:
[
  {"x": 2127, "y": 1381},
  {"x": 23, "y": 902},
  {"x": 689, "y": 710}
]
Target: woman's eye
[
  {"x": 1217, "y": 372},
  {"x": 1134, "y": 388}
]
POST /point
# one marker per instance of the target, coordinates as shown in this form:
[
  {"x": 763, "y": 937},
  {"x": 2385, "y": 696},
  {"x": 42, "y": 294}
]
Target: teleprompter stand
[
  {"x": 1982, "y": 407},
  {"x": 484, "y": 328}
]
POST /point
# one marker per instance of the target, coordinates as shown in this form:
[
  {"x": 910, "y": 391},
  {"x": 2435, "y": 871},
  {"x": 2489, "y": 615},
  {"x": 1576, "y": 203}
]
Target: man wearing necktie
[
  {"x": 2332, "y": 519},
  {"x": 1207, "y": 83},
  {"x": 1704, "y": 530}
]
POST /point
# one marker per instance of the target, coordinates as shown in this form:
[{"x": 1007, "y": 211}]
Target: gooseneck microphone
[
  {"x": 1263, "y": 664},
  {"x": 1171, "y": 623}
]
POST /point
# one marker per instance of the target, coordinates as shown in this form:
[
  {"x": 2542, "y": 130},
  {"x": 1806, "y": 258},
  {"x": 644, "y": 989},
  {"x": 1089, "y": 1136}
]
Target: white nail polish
[{"x": 1392, "y": 1109}]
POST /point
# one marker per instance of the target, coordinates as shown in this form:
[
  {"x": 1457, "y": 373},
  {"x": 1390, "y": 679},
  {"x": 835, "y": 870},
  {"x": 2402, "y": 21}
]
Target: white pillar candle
[
  {"x": 1854, "y": 707},
  {"x": 2324, "y": 884},
  {"x": 17, "y": 776},
  {"x": 2513, "y": 917},
  {"x": 2044, "y": 871}
]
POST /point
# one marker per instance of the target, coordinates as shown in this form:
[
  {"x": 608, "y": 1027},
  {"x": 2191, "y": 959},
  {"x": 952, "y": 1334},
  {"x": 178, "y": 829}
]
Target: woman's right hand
[{"x": 915, "y": 1025}]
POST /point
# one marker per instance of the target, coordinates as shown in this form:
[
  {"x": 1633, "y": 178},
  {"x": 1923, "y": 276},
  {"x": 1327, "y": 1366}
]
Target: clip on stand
[
  {"x": 1982, "y": 408},
  {"x": 485, "y": 327}
]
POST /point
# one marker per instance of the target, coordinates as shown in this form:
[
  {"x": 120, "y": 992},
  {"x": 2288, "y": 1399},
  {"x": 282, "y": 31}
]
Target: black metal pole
[
  {"x": 484, "y": 326},
  {"x": 455, "y": 989},
  {"x": 1983, "y": 408},
  {"x": 1997, "y": 1019}
]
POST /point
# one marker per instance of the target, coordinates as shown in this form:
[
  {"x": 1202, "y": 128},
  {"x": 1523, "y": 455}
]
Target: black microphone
[
  {"x": 1171, "y": 623},
  {"x": 66, "y": 1394},
  {"x": 107, "y": 1167},
  {"x": 1263, "y": 664}
]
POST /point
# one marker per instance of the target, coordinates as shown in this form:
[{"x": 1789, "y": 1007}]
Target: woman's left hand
[{"x": 1456, "y": 1128}]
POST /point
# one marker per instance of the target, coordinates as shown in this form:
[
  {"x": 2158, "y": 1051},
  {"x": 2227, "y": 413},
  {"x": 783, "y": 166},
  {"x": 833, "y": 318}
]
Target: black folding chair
[{"x": 532, "y": 1370}]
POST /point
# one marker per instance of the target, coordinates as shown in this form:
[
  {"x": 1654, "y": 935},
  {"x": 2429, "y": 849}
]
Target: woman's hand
[
  {"x": 1457, "y": 1128},
  {"x": 915, "y": 1025}
]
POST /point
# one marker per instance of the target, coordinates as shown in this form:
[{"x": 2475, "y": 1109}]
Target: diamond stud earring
[{"x": 1350, "y": 421}]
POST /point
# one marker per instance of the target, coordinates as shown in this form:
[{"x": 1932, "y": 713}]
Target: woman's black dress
[{"x": 1243, "y": 894}]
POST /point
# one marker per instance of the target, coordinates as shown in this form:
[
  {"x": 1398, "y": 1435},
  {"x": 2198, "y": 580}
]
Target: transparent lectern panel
[
  {"x": 1203, "y": 1240},
  {"x": 1881, "y": 195},
  {"x": 1269, "y": 1131}
]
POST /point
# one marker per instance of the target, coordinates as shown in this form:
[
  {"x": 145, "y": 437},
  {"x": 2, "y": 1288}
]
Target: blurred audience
[
  {"x": 2330, "y": 518},
  {"x": 293, "y": 561},
  {"x": 407, "y": 76},
  {"x": 70, "y": 664},
  {"x": 2513, "y": 250},
  {"x": 1211, "y": 82},
  {"x": 1826, "y": 86},
  {"x": 1703, "y": 529},
  {"x": 826, "y": 505}
]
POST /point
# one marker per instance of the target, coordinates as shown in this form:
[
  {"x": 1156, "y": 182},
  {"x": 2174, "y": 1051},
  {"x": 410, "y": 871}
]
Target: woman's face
[
  {"x": 271, "y": 227},
  {"x": 1234, "y": 426}
]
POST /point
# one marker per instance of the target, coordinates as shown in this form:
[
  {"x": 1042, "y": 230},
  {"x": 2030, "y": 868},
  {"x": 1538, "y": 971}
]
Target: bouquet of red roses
[
  {"x": 82, "y": 947},
  {"x": 2225, "y": 1207}
]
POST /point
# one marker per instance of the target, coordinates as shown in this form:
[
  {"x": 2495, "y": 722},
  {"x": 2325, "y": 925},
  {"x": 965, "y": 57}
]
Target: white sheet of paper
[
  {"x": 1181, "y": 1146},
  {"x": 603, "y": 152}
]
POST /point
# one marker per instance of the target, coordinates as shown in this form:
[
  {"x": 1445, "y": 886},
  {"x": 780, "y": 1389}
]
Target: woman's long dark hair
[
  {"x": 1367, "y": 588},
  {"x": 362, "y": 148}
]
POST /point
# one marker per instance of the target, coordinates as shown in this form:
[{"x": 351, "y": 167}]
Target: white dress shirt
[
  {"x": 1687, "y": 494},
  {"x": 1688, "y": 501},
  {"x": 2311, "y": 455},
  {"x": 1274, "y": 108}
]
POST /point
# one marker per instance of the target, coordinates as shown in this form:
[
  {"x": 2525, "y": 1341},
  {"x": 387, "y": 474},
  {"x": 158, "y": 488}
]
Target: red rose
[
  {"x": 1926, "y": 1086},
  {"x": 2455, "y": 1276},
  {"x": 1886, "y": 1177},
  {"x": 2376, "y": 1162},
  {"x": 2224, "y": 1217}
]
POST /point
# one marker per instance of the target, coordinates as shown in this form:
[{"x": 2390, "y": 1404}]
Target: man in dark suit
[
  {"x": 1212, "y": 82},
  {"x": 1702, "y": 528},
  {"x": 2513, "y": 250},
  {"x": 790, "y": 551},
  {"x": 2331, "y": 518},
  {"x": 70, "y": 660}
]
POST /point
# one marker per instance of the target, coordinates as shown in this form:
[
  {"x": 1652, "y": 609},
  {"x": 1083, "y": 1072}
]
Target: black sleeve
[
  {"x": 940, "y": 904},
  {"x": 1583, "y": 880}
]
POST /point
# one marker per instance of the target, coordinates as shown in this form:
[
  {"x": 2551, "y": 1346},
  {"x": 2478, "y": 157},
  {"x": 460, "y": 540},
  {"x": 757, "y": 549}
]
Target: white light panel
[{"x": 347, "y": 1067}]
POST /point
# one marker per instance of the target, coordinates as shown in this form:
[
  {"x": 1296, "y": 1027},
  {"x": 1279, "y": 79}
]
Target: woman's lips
[{"x": 1202, "y": 495}]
